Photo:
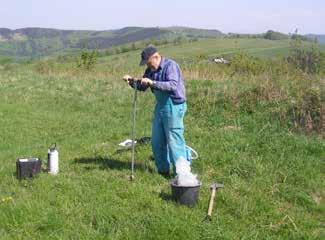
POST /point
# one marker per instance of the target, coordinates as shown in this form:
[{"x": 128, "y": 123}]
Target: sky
[{"x": 241, "y": 16}]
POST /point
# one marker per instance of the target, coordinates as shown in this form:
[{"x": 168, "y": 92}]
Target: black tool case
[{"x": 28, "y": 167}]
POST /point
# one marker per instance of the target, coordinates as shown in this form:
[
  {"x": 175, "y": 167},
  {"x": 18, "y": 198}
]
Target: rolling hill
[
  {"x": 39, "y": 42},
  {"x": 35, "y": 42}
]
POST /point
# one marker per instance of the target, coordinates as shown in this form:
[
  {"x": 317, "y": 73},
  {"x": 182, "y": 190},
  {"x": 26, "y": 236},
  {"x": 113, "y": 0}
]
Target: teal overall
[{"x": 168, "y": 143}]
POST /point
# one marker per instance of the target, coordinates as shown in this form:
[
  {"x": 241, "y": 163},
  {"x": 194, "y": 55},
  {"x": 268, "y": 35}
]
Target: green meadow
[{"x": 242, "y": 124}]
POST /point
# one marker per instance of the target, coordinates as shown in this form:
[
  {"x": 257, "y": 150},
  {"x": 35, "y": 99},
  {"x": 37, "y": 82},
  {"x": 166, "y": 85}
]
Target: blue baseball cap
[{"x": 147, "y": 53}]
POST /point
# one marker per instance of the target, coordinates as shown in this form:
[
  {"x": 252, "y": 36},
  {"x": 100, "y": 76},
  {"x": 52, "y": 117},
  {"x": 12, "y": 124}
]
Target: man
[{"x": 165, "y": 79}]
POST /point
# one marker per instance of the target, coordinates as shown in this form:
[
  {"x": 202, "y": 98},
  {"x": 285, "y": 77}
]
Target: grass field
[{"x": 273, "y": 176}]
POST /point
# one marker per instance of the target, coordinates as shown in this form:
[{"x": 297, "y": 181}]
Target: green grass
[{"x": 274, "y": 178}]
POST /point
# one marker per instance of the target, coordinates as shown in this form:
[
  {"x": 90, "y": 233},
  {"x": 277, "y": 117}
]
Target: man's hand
[
  {"x": 127, "y": 78},
  {"x": 146, "y": 81}
]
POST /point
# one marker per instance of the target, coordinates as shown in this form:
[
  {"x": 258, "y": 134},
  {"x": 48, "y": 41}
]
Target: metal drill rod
[{"x": 135, "y": 85}]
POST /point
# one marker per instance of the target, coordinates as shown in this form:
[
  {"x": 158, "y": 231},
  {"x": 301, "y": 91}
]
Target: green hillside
[
  {"x": 41, "y": 42},
  {"x": 38, "y": 42},
  {"x": 195, "y": 32}
]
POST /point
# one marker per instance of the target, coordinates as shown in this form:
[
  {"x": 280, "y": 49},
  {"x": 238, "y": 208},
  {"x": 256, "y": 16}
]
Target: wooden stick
[{"x": 213, "y": 194}]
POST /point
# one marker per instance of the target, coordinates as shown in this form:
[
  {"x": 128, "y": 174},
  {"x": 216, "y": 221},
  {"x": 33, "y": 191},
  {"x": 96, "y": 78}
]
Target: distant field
[
  {"x": 210, "y": 48},
  {"x": 215, "y": 48}
]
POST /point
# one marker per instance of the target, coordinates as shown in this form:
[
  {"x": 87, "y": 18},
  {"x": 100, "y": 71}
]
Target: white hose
[{"x": 194, "y": 154}]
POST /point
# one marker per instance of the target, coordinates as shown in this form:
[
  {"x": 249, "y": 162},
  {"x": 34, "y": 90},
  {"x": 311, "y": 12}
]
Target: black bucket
[{"x": 185, "y": 195}]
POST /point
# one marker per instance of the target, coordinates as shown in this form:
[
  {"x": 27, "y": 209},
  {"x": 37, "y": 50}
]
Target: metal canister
[{"x": 53, "y": 160}]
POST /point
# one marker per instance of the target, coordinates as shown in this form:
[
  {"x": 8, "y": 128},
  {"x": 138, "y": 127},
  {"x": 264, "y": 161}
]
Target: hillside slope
[{"x": 34, "y": 42}]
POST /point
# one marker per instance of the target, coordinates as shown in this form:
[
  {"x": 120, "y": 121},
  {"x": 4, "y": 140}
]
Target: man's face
[{"x": 154, "y": 61}]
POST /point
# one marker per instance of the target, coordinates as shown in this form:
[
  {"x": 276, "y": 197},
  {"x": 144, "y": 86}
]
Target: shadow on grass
[
  {"x": 166, "y": 197},
  {"x": 111, "y": 163}
]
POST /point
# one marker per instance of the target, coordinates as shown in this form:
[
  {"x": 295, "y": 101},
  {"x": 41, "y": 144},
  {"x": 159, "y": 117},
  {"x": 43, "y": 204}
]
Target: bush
[
  {"x": 272, "y": 35},
  {"x": 322, "y": 63},
  {"x": 87, "y": 60},
  {"x": 242, "y": 63},
  {"x": 305, "y": 110},
  {"x": 307, "y": 58}
]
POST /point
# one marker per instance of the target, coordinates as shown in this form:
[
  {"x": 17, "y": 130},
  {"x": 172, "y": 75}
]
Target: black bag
[{"x": 28, "y": 167}]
